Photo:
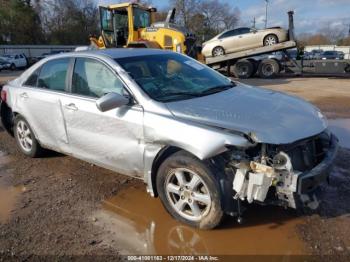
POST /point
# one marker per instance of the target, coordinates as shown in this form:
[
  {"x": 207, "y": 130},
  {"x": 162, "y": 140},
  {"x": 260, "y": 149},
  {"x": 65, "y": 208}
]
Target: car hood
[{"x": 264, "y": 115}]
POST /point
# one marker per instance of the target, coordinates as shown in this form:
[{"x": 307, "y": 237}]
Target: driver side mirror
[
  {"x": 254, "y": 30},
  {"x": 111, "y": 101}
]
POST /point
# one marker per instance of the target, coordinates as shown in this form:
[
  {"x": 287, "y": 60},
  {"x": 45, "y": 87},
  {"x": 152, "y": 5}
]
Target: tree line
[
  {"x": 71, "y": 22},
  {"x": 47, "y": 21}
]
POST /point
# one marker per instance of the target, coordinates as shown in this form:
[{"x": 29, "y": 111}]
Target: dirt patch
[
  {"x": 51, "y": 216},
  {"x": 331, "y": 95},
  {"x": 334, "y": 107},
  {"x": 328, "y": 231}
]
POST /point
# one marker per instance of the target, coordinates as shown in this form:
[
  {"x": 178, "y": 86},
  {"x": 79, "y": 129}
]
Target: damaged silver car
[{"x": 201, "y": 142}]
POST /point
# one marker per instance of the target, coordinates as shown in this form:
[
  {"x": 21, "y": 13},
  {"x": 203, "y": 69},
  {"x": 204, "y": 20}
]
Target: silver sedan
[
  {"x": 244, "y": 38},
  {"x": 202, "y": 143}
]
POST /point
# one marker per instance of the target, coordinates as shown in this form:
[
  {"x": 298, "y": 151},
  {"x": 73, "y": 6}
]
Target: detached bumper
[{"x": 309, "y": 181}]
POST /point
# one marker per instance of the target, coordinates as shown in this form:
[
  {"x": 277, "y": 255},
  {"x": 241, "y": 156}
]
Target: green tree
[
  {"x": 69, "y": 22},
  {"x": 19, "y": 23}
]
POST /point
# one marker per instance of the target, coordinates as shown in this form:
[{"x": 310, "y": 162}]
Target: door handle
[
  {"x": 71, "y": 106},
  {"x": 24, "y": 95}
]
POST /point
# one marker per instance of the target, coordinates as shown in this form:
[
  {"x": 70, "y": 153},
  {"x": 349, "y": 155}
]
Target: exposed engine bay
[{"x": 271, "y": 174}]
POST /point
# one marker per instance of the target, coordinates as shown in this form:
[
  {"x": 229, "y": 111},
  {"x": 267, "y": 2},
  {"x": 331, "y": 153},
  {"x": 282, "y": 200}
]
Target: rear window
[
  {"x": 32, "y": 81},
  {"x": 53, "y": 74}
]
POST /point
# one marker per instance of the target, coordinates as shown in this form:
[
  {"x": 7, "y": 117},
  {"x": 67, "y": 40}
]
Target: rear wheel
[
  {"x": 189, "y": 191},
  {"x": 268, "y": 68},
  {"x": 243, "y": 69},
  {"x": 25, "y": 138},
  {"x": 218, "y": 51},
  {"x": 13, "y": 67},
  {"x": 270, "y": 40}
]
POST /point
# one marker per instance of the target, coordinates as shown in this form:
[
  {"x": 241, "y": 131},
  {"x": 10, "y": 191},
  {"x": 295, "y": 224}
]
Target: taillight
[{"x": 3, "y": 95}]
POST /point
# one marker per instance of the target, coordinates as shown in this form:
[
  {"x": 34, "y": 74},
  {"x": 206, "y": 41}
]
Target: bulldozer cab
[{"x": 122, "y": 23}]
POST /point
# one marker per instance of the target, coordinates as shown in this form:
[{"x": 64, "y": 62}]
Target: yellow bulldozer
[{"x": 133, "y": 25}]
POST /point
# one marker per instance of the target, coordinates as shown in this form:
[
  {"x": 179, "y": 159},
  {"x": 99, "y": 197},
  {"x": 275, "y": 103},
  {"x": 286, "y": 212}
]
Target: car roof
[{"x": 115, "y": 53}]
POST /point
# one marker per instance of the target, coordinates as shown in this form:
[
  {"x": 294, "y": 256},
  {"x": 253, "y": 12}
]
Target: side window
[
  {"x": 94, "y": 79},
  {"x": 33, "y": 79},
  {"x": 244, "y": 31},
  {"x": 53, "y": 74},
  {"x": 229, "y": 34}
]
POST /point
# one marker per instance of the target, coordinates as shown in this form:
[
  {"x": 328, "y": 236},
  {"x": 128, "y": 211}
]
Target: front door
[{"x": 110, "y": 139}]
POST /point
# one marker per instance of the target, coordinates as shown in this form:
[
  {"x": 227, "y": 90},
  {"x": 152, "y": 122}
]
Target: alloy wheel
[
  {"x": 218, "y": 51},
  {"x": 24, "y": 136},
  {"x": 188, "y": 194},
  {"x": 270, "y": 40}
]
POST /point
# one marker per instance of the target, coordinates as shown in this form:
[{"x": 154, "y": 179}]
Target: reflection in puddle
[
  {"x": 138, "y": 224},
  {"x": 341, "y": 128},
  {"x": 8, "y": 194},
  {"x": 8, "y": 200}
]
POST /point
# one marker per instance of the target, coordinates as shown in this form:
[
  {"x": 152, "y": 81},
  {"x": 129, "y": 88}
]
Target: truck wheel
[
  {"x": 13, "y": 67},
  {"x": 270, "y": 40},
  {"x": 189, "y": 191},
  {"x": 25, "y": 138},
  {"x": 218, "y": 51},
  {"x": 243, "y": 69},
  {"x": 347, "y": 69},
  {"x": 268, "y": 68}
]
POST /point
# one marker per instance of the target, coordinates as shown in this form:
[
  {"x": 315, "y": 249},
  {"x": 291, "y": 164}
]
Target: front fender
[{"x": 204, "y": 142}]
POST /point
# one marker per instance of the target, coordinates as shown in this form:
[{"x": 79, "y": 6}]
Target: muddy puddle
[
  {"x": 8, "y": 194},
  {"x": 138, "y": 224},
  {"x": 341, "y": 128}
]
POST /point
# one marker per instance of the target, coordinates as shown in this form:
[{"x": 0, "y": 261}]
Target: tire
[
  {"x": 218, "y": 51},
  {"x": 270, "y": 39},
  {"x": 347, "y": 69},
  {"x": 243, "y": 69},
  {"x": 25, "y": 138},
  {"x": 182, "y": 180},
  {"x": 13, "y": 67},
  {"x": 268, "y": 68}
]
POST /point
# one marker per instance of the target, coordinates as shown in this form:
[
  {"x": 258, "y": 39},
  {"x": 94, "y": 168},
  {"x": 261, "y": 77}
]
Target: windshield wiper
[
  {"x": 217, "y": 89},
  {"x": 167, "y": 97}
]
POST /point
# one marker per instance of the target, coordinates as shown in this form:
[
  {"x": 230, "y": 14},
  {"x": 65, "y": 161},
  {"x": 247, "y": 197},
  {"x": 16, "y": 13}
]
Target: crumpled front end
[{"x": 285, "y": 175}]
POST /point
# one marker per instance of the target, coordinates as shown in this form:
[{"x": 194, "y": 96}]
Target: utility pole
[
  {"x": 266, "y": 6},
  {"x": 254, "y": 22}
]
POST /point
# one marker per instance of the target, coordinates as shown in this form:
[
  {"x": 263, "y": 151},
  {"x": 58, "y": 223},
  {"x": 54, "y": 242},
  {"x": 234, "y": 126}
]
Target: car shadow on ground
[{"x": 46, "y": 154}]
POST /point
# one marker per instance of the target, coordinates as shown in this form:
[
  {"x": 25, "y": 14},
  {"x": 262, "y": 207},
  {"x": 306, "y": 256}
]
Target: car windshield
[{"x": 173, "y": 77}]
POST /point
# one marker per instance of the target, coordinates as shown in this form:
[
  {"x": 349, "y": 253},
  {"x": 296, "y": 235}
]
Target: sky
[{"x": 310, "y": 15}]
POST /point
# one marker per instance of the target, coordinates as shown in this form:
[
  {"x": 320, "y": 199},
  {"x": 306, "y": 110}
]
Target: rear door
[
  {"x": 246, "y": 39},
  {"x": 39, "y": 101},
  {"x": 110, "y": 139}
]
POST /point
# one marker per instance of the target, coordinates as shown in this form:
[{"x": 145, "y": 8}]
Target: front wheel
[
  {"x": 218, "y": 51},
  {"x": 270, "y": 40},
  {"x": 13, "y": 67},
  {"x": 25, "y": 138},
  {"x": 189, "y": 191}
]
